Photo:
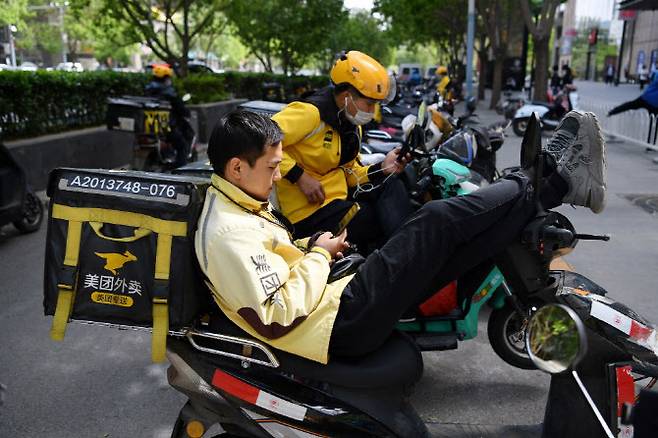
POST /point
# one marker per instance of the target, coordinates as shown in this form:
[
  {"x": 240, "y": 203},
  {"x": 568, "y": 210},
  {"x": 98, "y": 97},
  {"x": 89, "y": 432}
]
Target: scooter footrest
[{"x": 436, "y": 342}]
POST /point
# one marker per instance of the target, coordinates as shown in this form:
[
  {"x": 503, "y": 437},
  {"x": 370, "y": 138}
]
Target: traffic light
[{"x": 593, "y": 36}]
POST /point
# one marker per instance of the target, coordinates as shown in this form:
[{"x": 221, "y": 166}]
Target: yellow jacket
[
  {"x": 314, "y": 146},
  {"x": 273, "y": 288},
  {"x": 441, "y": 87}
]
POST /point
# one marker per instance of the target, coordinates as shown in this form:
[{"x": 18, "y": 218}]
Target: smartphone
[{"x": 346, "y": 219}]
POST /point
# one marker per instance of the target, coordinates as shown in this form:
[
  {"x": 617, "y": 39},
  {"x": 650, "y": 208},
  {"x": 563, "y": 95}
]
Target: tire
[
  {"x": 520, "y": 125},
  {"x": 32, "y": 214},
  {"x": 507, "y": 337}
]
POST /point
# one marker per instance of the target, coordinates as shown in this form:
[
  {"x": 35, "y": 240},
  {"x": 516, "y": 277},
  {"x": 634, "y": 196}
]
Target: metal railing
[{"x": 637, "y": 126}]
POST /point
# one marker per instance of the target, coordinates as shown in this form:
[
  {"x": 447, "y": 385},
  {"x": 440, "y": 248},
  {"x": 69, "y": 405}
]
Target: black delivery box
[
  {"x": 141, "y": 115},
  {"x": 120, "y": 251}
]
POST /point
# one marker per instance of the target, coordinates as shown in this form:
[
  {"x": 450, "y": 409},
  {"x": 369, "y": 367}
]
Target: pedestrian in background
[
  {"x": 648, "y": 100},
  {"x": 609, "y": 73},
  {"x": 642, "y": 75},
  {"x": 567, "y": 75},
  {"x": 556, "y": 80}
]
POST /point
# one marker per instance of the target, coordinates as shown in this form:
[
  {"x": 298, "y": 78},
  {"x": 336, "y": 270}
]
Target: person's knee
[{"x": 435, "y": 210}]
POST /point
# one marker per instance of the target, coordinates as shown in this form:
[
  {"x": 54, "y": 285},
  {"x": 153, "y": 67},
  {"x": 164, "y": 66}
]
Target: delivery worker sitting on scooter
[
  {"x": 277, "y": 289},
  {"x": 322, "y": 174},
  {"x": 443, "y": 87},
  {"x": 180, "y": 133}
]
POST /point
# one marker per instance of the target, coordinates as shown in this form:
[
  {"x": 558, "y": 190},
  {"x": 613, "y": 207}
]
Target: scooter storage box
[
  {"x": 141, "y": 115},
  {"x": 120, "y": 251}
]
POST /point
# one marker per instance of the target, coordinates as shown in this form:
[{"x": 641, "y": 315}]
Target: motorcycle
[
  {"x": 550, "y": 113},
  {"x": 149, "y": 119},
  {"x": 510, "y": 104},
  {"x": 250, "y": 389},
  {"x": 19, "y": 204}
]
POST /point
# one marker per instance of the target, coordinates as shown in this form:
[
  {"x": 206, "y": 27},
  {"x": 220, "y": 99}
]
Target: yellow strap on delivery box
[
  {"x": 160, "y": 304},
  {"x": 66, "y": 291}
]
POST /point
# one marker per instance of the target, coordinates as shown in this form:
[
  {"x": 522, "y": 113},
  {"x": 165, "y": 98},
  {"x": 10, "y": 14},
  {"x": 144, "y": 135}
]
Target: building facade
[{"x": 640, "y": 42}]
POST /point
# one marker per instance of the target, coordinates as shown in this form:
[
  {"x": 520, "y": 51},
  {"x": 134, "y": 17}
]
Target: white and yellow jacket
[{"x": 271, "y": 287}]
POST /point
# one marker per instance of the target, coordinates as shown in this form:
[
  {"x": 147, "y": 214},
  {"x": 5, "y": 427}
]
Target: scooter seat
[{"x": 397, "y": 363}]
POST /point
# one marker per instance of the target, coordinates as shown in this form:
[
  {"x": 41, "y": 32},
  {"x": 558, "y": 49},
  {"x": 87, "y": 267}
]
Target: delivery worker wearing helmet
[
  {"x": 443, "y": 87},
  {"x": 321, "y": 166},
  {"x": 181, "y": 133}
]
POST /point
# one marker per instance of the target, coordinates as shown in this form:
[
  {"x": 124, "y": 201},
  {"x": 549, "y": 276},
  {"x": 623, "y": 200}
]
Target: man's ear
[{"x": 233, "y": 169}]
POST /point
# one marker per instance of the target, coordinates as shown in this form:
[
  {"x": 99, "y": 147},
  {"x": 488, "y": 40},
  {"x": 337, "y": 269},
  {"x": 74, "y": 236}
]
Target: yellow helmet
[
  {"x": 442, "y": 70},
  {"x": 162, "y": 71},
  {"x": 364, "y": 73}
]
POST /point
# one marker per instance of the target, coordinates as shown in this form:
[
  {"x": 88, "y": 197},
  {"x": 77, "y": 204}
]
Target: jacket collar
[
  {"x": 325, "y": 102},
  {"x": 236, "y": 195}
]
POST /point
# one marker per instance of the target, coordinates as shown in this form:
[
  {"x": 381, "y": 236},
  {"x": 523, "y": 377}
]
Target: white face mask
[{"x": 361, "y": 117}]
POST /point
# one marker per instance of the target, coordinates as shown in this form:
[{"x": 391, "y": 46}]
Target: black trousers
[
  {"x": 632, "y": 105},
  {"x": 382, "y": 212},
  {"x": 438, "y": 243},
  {"x": 180, "y": 144}
]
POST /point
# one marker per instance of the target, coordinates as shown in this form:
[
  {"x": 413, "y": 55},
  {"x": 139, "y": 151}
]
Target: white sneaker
[{"x": 579, "y": 151}]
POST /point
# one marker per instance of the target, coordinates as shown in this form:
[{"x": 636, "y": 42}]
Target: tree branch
[{"x": 529, "y": 22}]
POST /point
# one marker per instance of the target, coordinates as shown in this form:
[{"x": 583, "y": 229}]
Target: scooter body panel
[
  {"x": 526, "y": 111},
  {"x": 260, "y": 401}
]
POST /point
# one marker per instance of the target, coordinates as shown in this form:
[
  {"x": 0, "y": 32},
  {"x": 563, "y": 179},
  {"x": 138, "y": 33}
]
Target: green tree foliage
[
  {"x": 291, "y": 31},
  {"x": 168, "y": 27},
  {"x": 110, "y": 39},
  {"x": 419, "y": 22},
  {"x": 360, "y": 31},
  {"x": 13, "y": 12}
]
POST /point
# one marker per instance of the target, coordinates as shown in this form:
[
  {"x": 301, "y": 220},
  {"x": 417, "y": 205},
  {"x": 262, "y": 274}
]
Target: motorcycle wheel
[
  {"x": 506, "y": 333},
  {"x": 520, "y": 125},
  {"x": 32, "y": 214}
]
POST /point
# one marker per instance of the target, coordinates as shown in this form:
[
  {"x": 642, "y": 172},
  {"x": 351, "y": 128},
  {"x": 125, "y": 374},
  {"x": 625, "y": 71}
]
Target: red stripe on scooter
[
  {"x": 235, "y": 386},
  {"x": 639, "y": 332},
  {"x": 625, "y": 388}
]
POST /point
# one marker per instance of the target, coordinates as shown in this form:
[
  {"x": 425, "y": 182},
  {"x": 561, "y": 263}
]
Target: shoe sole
[{"x": 596, "y": 198}]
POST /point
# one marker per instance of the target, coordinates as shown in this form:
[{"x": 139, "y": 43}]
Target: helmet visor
[{"x": 392, "y": 88}]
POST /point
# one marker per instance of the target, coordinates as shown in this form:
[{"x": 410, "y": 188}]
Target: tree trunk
[
  {"x": 497, "y": 83},
  {"x": 541, "y": 68},
  {"x": 483, "y": 73}
]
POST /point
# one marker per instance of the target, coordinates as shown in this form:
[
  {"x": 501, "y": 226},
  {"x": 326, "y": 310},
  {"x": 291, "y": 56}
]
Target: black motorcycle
[
  {"x": 149, "y": 119},
  {"x": 19, "y": 205},
  {"x": 253, "y": 390}
]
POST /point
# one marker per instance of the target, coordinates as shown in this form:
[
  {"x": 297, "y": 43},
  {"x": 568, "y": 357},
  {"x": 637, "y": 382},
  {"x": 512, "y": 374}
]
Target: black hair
[{"x": 242, "y": 134}]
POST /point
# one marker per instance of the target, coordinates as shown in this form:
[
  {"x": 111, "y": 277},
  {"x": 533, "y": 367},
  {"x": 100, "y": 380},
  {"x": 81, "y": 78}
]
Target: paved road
[
  {"x": 100, "y": 383},
  {"x": 607, "y": 94}
]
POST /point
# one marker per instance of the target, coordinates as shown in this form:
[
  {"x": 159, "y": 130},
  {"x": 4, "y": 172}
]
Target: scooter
[
  {"x": 149, "y": 119},
  {"x": 511, "y": 102},
  {"x": 549, "y": 114},
  {"x": 252, "y": 390},
  {"x": 19, "y": 205}
]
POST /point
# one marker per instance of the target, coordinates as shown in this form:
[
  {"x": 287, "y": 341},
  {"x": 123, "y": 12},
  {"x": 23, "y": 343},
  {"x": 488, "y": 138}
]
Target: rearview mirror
[{"x": 556, "y": 339}]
